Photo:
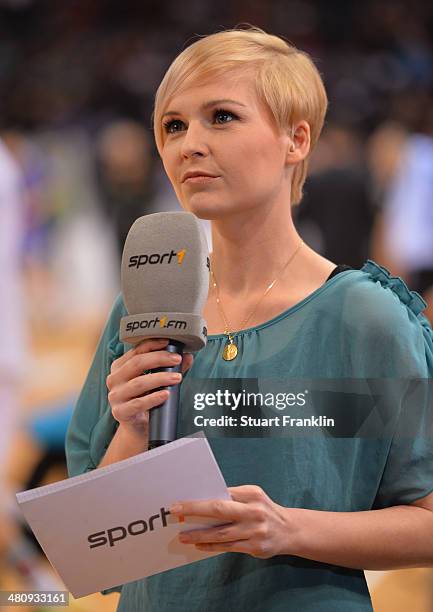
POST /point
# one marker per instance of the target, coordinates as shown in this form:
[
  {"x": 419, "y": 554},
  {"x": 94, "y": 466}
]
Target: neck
[{"x": 250, "y": 249}]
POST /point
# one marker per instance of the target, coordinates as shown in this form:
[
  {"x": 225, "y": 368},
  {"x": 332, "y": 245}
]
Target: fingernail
[
  {"x": 176, "y": 358},
  {"x": 175, "y": 509},
  {"x": 176, "y": 376}
]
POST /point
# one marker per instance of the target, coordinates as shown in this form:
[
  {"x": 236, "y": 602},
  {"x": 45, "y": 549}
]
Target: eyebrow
[{"x": 208, "y": 105}]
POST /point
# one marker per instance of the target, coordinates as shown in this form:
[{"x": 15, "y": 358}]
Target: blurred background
[{"x": 78, "y": 165}]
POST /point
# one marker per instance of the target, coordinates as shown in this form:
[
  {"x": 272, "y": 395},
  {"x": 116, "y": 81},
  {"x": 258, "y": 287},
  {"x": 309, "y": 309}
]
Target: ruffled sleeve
[
  {"x": 408, "y": 472},
  {"x": 411, "y": 299},
  {"x": 92, "y": 425}
]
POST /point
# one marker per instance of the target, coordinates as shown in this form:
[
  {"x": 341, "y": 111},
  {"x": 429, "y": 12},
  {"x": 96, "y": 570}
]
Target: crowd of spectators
[{"x": 82, "y": 75}]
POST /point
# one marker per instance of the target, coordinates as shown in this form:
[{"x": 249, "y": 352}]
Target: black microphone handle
[{"x": 163, "y": 418}]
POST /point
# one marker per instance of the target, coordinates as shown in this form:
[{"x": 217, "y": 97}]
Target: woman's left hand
[{"x": 253, "y": 523}]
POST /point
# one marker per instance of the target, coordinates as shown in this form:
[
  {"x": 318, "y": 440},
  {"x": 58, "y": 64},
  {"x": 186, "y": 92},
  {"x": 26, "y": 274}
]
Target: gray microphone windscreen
[{"x": 165, "y": 280}]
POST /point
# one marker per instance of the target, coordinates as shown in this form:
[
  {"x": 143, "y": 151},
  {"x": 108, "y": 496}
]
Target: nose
[{"x": 194, "y": 141}]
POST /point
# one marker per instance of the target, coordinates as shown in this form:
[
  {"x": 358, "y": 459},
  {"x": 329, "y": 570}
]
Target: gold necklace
[{"x": 231, "y": 350}]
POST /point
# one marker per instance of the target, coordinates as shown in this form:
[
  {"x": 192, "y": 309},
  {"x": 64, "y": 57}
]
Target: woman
[{"x": 243, "y": 110}]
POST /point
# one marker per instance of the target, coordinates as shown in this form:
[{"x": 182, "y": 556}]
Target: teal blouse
[{"x": 360, "y": 324}]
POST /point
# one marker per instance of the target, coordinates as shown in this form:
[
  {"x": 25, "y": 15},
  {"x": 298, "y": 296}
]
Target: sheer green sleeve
[
  {"x": 407, "y": 347},
  {"x": 92, "y": 425}
]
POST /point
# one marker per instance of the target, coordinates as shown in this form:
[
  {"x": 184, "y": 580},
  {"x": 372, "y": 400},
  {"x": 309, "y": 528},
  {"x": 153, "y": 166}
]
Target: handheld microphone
[{"x": 165, "y": 281}]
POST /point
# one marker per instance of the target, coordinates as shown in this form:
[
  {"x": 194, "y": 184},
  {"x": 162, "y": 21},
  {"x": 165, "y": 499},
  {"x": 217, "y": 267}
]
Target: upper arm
[
  {"x": 424, "y": 502},
  {"x": 92, "y": 425},
  {"x": 398, "y": 342}
]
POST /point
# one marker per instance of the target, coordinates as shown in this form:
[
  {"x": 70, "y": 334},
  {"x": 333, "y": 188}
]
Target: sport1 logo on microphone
[
  {"x": 163, "y": 323},
  {"x": 136, "y": 261}
]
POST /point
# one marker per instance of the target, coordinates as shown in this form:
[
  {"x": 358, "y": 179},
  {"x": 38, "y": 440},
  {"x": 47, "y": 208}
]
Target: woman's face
[{"x": 222, "y": 129}]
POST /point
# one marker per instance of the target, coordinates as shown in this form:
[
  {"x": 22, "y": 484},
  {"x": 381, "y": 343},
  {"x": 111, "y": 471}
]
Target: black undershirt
[{"x": 337, "y": 270}]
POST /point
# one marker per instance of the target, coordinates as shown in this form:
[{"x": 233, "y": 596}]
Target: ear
[{"x": 298, "y": 143}]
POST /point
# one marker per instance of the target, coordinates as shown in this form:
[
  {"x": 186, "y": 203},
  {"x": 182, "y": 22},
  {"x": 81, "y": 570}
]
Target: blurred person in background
[
  {"x": 337, "y": 212},
  {"x": 383, "y": 154},
  {"x": 64, "y": 229},
  {"x": 383, "y": 151},
  {"x": 13, "y": 347},
  {"x": 124, "y": 175},
  {"x": 404, "y": 230},
  {"x": 24, "y": 233}
]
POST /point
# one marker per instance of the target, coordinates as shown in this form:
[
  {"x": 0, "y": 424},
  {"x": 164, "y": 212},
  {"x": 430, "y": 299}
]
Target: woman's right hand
[{"x": 131, "y": 393}]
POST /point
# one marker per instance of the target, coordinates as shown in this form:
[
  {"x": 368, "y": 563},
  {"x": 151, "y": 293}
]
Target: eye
[
  {"x": 224, "y": 113},
  {"x": 175, "y": 125},
  {"x": 168, "y": 125}
]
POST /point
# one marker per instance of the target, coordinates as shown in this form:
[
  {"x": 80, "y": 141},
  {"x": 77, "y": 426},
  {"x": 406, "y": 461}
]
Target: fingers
[
  {"x": 240, "y": 546},
  {"x": 131, "y": 392},
  {"x": 148, "y": 355},
  {"x": 247, "y": 493},
  {"x": 138, "y": 406},
  {"x": 143, "y": 384},
  {"x": 222, "y": 533},
  {"x": 225, "y": 510},
  {"x": 150, "y": 344},
  {"x": 244, "y": 536},
  {"x": 138, "y": 362},
  {"x": 227, "y": 538}
]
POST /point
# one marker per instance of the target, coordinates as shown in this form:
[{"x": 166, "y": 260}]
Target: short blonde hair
[{"x": 286, "y": 79}]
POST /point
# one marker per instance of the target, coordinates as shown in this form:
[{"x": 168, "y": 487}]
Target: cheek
[
  {"x": 256, "y": 162},
  {"x": 167, "y": 163},
  {"x": 172, "y": 172}
]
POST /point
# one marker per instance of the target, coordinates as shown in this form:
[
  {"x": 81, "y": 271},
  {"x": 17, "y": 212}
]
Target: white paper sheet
[{"x": 115, "y": 504}]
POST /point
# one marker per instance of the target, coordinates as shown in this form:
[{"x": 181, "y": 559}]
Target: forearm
[
  {"x": 392, "y": 538},
  {"x": 124, "y": 444}
]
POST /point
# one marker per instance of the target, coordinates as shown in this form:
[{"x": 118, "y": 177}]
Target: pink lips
[
  {"x": 197, "y": 173},
  {"x": 200, "y": 179}
]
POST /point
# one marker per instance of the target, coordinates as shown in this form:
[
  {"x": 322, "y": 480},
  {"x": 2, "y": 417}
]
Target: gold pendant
[{"x": 230, "y": 351}]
